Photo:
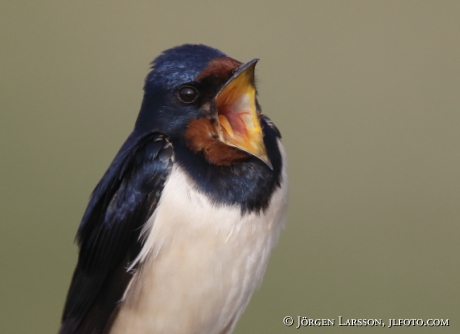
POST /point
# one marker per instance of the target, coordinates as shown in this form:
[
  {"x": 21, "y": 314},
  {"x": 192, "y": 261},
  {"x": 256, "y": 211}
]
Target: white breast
[{"x": 200, "y": 262}]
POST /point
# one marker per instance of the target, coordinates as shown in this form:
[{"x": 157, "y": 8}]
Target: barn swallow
[{"x": 177, "y": 234}]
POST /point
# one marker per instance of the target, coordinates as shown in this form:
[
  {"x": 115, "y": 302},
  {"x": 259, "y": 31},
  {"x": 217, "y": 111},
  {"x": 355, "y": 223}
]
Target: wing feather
[{"x": 108, "y": 235}]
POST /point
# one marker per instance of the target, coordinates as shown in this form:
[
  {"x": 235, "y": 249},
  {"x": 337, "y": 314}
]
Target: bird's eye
[{"x": 188, "y": 94}]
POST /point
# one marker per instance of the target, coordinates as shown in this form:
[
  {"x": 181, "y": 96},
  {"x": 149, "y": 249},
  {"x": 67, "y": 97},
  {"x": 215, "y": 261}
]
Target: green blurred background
[{"x": 366, "y": 94}]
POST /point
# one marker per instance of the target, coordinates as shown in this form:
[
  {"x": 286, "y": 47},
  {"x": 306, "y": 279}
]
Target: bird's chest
[{"x": 199, "y": 265}]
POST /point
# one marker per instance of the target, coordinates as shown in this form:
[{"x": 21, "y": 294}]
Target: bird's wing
[{"x": 108, "y": 235}]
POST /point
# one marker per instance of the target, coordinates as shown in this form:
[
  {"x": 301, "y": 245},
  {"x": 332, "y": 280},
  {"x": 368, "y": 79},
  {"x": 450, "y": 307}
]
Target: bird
[{"x": 177, "y": 234}]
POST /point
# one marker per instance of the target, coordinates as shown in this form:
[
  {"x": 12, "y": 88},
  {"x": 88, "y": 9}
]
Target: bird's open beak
[{"x": 238, "y": 115}]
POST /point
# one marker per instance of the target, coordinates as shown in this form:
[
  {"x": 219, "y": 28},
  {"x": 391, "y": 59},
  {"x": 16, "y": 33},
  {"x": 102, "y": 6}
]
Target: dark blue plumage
[
  {"x": 130, "y": 190},
  {"x": 109, "y": 232},
  {"x": 160, "y": 108},
  {"x": 180, "y": 64},
  {"x": 248, "y": 184}
]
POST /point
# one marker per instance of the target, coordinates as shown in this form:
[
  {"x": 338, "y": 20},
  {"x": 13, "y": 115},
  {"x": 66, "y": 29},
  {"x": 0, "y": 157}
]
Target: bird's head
[{"x": 207, "y": 100}]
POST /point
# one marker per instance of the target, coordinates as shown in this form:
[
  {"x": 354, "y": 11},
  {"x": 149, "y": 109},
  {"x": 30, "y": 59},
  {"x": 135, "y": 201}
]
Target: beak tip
[{"x": 266, "y": 161}]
